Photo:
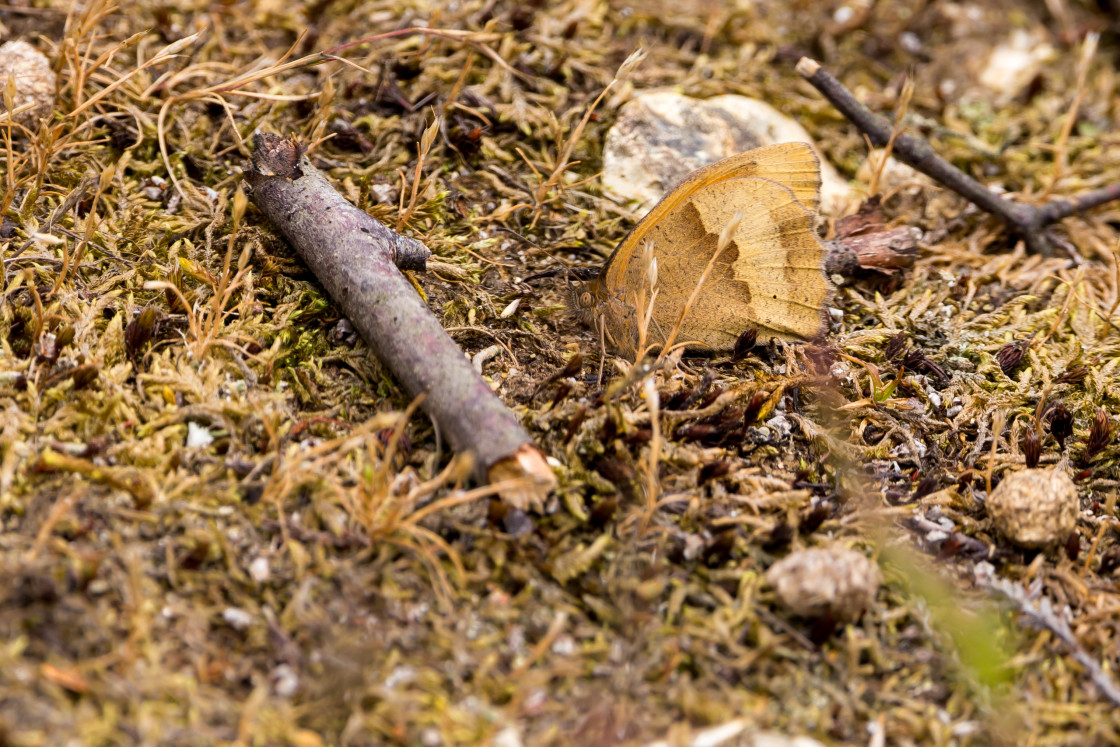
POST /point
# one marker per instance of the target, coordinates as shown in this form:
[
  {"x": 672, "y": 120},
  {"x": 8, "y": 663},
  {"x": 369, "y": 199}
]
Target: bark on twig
[
  {"x": 863, "y": 243},
  {"x": 1027, "y": 221},
  {"x": 356, "y": 258},
  {"x": 883, "y": 251}
]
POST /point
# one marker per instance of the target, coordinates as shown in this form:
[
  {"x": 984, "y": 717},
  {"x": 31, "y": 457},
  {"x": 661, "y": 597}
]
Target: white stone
[
  {"x": 35, "y": 82},
  {"x": 660, "y": 137},
  {"x": 197, "y": 436},
  {"x": 260, "y": 570},
  {"x": 1015, "y": 63},
  {"x": 237, "y": 618},
  {"x": 508, "y": 737},
  {"x": 285, "y": 681}
]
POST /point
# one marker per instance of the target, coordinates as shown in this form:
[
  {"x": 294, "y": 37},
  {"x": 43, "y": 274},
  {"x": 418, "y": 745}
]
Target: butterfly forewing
[
  {"x": 771, "y": 274},
  {"x": 792, "y": 164}
]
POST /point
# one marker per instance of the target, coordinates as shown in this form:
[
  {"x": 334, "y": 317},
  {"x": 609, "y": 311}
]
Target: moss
[{"x": 273, "y": 585}]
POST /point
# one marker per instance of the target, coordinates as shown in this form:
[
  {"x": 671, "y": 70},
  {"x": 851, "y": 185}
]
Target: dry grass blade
[
  {"x": 563, "y": 158},
  {"x": 1061, "y": 155},
  {"x": 899, "y": 117},
  {"x": 422, "y": 150}
]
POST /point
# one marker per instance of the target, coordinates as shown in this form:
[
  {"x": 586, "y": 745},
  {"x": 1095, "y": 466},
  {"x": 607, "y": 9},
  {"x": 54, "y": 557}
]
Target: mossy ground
[{"x": 265, "y": 584}]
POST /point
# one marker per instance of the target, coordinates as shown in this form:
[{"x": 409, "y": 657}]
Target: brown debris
[
  {"x": 819, "y": 582},
  {"x": 1035, "y": 508}
]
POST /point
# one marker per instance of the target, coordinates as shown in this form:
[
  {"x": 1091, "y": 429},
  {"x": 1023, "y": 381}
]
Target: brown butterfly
[{"x": 769, "y": 274}]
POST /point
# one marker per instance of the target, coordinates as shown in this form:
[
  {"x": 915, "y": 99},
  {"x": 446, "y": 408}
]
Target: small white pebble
[
  {"x": 35, "y": 82},
  {"x": 564, "y": 646},
  {"x": 260, "y": 570},
  {"x": 285, "y": 681},
  {"x": 385, "y": 193},
  {"x": 910, "y": 42},
  {"x": 508, "y": 737},
  {"x": 831, "y": 581},
  {"x": 780, "y": 426},
  {"x": 237, "y": 618},
  {"x": 197, "y": 436},
  {"x": 1035, "y": 508}
]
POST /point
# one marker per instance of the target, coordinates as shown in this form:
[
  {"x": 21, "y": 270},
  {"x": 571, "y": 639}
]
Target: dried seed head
[
  {"x": 914, "y": 359},
  {"x": 1011, "y": 355},
  {"x": 1035, "y": 508},
  {"x": 744, "y": 343},
  {"x": 572, "y": 367},
  {"x": 84, "y": 375},
  {"x": 712, "y": 471},
  {"x": 1073, "y": 375},
  {"x": 1100, "y": 435},
  {"x": 831, "y": 582},
  {"x": 1073, "y": 546},
  {"x": 64, "y": 336},
  {"x": 754, "y": 407},
  {"x": 926, "y": 486},
  {"x": 1061, "y": 424},
  {"x": 562, "y": 391},
  {"x": 574, "y": 424},
  {"x": 140, "y": 330},
  {"x": 896, "y": 346},
  {"x": 175, "y": 300},
  {"x": 1032, "y": 448}
]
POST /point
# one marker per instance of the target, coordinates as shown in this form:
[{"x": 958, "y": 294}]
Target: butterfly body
[{"x": 768, "y": 275}]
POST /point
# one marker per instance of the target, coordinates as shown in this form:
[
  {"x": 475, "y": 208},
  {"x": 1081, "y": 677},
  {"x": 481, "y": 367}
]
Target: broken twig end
[
  {"x": 527, "y": 467},
  {"x": 807, "y": 67},
  {"x": 276, "y": 156}
]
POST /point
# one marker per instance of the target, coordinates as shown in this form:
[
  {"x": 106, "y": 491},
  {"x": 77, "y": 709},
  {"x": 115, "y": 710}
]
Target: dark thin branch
[
  {"x": 1026, "y": 221},
  {"x": 356, "y": 259}
]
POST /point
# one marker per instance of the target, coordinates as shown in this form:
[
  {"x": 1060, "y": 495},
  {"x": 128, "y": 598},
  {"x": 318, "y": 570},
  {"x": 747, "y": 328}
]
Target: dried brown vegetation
[{"x": 221, "y": 521}]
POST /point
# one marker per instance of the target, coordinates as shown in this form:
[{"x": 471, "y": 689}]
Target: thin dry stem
[
  {"x": 899, "y": 117},
  {"x": 1061, "y": 155}
]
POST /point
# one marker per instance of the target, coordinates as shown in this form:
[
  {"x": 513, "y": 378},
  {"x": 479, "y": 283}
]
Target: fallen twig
[
  {"x": 1026, "y": 221},
  {"x": 356, "y": 258}
]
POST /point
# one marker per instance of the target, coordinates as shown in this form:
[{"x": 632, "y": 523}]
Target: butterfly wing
[
  {"x": 771, "y": 274},
  {"x": 793, "y": 164}
]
